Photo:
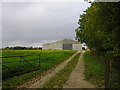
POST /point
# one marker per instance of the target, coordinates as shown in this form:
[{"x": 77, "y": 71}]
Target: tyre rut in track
[{"x": 40, "y": 80}]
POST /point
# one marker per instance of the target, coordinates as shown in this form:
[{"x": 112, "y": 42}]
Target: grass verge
[
  {"x": 94, "y": 69},
  {"x": 13, "y": 82},
  {"x": 61, "y": 77}
]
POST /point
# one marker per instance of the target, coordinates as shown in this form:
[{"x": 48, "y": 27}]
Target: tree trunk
[{"x": 107, "y": 73}]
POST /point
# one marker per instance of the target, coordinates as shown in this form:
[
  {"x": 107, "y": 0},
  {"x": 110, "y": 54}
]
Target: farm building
[{"x": 66, "y": 44}]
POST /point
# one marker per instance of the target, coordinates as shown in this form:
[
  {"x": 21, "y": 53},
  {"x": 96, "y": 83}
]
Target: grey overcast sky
[{"x": 32, "y": 24}]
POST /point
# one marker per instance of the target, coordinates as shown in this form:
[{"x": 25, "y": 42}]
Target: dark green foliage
[
  {"x": 99, "y": 27},
  {"x": 100, "y": 30}
]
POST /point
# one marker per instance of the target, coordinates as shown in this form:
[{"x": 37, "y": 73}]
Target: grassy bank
[
  {"x": 15, "y": 81},
  {"x": 48, "y": 59},
  {"x": 62, "y": 76},
  {"x": 94, "y": 69}
]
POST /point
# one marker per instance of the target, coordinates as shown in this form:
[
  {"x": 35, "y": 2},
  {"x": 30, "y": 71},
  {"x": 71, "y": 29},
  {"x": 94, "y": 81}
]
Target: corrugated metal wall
[{"x": 67, "y": 46}]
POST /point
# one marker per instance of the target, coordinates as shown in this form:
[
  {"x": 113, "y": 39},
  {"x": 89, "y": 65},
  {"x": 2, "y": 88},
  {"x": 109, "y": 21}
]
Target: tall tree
[{"x": 100, "y": 30}]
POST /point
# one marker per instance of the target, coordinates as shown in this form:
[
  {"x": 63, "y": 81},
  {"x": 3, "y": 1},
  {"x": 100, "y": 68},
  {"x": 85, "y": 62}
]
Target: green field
[{"x": 47, "y": 59}]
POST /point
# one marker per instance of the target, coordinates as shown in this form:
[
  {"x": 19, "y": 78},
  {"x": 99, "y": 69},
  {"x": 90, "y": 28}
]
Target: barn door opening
[{"x": 67, "y": 46}]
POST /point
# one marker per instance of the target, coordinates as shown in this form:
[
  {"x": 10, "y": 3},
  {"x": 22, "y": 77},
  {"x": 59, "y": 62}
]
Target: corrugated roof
[{"x": 66, "y": 41}]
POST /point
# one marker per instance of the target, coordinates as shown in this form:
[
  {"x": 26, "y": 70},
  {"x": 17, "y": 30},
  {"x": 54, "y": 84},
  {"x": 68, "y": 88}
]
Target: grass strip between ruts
[{"x": 61, "y": 77}]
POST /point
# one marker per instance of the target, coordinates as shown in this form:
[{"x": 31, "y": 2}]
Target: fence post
[
  {"x": 21, "y": 61},
  {"x": 107, "y": 73}
]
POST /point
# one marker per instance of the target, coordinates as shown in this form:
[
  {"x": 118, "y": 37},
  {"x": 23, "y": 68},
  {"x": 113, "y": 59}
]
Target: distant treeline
[{"x": 22, "y": 48}]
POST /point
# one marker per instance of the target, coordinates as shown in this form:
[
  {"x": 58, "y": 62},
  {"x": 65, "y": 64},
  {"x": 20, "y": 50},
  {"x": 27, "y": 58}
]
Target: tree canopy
[
  {"x": 100, "y": 30},
  {"x": 99, "y": 27}
]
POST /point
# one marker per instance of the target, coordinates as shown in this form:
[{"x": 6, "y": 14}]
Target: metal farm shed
[{"x": 66, "y": 44}]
